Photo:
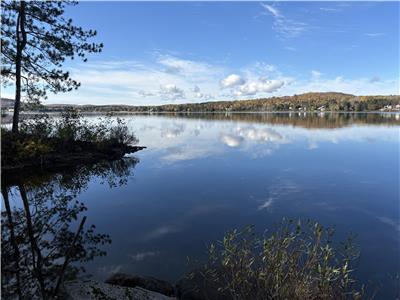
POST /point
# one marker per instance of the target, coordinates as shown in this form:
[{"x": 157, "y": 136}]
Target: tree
[{"x": 36, "y": 39}]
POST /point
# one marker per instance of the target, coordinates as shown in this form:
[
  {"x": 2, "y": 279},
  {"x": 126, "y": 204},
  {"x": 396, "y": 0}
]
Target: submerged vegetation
[
  {"x": 51, "y": 142},
  {"x": 295, "y": 261}
]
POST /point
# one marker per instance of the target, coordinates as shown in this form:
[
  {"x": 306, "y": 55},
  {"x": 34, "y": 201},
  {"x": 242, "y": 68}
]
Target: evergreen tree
[{"x": 36, "y": 39}]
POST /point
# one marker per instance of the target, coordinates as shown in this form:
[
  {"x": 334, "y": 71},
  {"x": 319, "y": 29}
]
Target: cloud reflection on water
[{"x": 187, "y": 139}]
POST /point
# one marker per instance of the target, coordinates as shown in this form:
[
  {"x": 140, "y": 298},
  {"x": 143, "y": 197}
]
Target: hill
[{"x": 305, "y": 102}]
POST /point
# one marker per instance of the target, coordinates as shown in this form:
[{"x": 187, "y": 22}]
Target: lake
[{"x": 204, "y": 174}]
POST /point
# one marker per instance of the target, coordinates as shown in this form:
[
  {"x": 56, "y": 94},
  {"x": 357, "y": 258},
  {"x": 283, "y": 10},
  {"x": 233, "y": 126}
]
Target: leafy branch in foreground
[{"x": 297, "y": 261}]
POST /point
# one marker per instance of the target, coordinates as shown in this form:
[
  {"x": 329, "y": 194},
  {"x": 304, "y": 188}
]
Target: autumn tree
[{"x": 36, "y": 39}]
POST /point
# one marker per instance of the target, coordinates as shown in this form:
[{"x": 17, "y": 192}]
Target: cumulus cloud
[
  {"x": 198, "y": 94},
  {"x": 231, "y": 81},
  {"x": 171, "y": 92},
  {"x": 261, "y": 86},
  {"x": 169, "y": 78}
]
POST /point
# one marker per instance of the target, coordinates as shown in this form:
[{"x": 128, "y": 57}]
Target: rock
[
  {"x": 197, "y": 287},
  {"x": 94, "y": 290},
  {"x": 148, "y": 283}
]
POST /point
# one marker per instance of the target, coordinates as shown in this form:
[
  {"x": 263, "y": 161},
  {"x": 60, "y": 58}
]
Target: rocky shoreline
[{"x": 126, "y": 287}]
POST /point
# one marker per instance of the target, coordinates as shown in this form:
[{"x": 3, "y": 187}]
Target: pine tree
[{"x": 36, "y": 39}]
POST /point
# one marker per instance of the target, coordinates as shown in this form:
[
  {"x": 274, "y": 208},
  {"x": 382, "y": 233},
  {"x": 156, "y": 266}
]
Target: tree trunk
[{"x": 21, "y": 43}]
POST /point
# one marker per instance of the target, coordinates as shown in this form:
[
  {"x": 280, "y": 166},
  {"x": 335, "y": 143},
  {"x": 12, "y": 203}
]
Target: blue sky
[{"x": 160, "y": 52}]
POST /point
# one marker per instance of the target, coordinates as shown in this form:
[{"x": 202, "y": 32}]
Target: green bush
[
  {"x": 297, "y": 261},
  {"x": 72, "y": 127},
  {"x": 70, "y": 132}
]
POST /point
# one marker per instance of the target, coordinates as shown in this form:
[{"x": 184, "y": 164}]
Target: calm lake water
[{"x": 204, "y": 174}]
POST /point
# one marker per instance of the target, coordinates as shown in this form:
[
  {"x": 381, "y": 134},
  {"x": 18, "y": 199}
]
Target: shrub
[
  {"x": 40, "y": 127},
  {"x": 71, "y": 132},
  {"x": 121, "y": 135},
  {"x": 297, "y": 261}
]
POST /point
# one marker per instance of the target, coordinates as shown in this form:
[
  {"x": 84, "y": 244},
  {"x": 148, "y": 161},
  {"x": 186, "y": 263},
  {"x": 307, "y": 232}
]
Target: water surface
[{"x": 204, "y": 174}]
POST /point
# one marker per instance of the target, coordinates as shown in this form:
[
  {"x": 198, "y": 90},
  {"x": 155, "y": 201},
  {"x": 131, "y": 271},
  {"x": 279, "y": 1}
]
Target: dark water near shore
[{"x": 204, "y": 174}]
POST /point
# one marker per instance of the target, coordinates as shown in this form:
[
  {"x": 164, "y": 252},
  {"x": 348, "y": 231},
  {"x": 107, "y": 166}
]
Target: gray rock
[
  {"x": 148, "y": 283},
  {"x": 94, "y": 290}
]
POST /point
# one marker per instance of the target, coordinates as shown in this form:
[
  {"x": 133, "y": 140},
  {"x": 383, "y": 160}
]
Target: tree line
[{"x": 304, "y": 102}]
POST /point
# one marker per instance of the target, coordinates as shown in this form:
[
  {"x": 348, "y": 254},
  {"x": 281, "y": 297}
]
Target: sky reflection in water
[{"x": 200, "y": 177}]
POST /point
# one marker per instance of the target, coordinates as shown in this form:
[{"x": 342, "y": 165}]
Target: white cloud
[
  {"x": 260, "y": 86},
  {"x": 150, "y": 83},
  {"x": 289, "y": 48},
  {"x": 198, "y": 94},
  {"x": 285, "y": 27},
  {"x": 374, "y": 34},
  {"x": 171, "y": 92},
  {"x": 200, "y": 71},
  {"x": 356, "y": 86},
  {"x": 231, "y": 81},
  {"x": 274, "y": 11},
  {"x": 329, "y": 9},
  {"x": 316, "y": 74}
]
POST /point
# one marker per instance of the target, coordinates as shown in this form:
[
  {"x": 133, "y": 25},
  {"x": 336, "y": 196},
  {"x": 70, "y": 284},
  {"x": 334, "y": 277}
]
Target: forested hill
[{"x": 303, "y": 102}]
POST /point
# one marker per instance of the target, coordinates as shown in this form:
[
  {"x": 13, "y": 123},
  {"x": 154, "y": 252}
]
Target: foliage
[
  {"x": 303, "y": 102},
  {"x": 50, "y": 39},
  {"x": 71, "y": 133},
  {"x": 297, "y": 261}
]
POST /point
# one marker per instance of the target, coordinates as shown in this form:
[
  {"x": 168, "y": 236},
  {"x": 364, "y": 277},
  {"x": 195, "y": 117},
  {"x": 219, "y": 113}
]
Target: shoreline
[
  {"x": 7, "y": 118},
  {"x": 58, "y": 160}
]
